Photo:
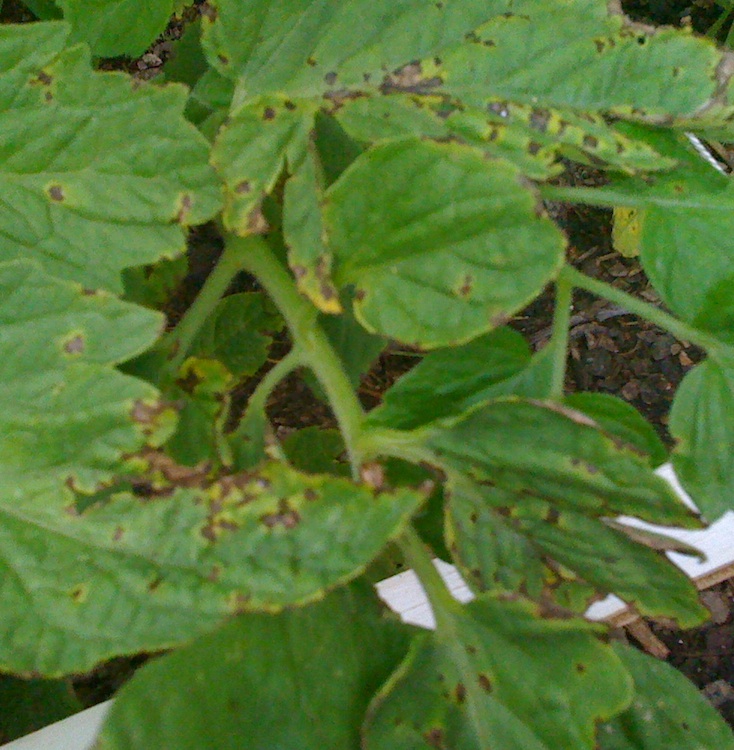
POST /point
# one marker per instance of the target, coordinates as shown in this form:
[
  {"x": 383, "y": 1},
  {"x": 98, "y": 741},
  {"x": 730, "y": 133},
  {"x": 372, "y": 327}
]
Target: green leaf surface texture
[
  {"x": 667, "y": 711},
  {"x": 132, "y": 574},
  {"x": 447, "y": 249},
  {"x": 542, "y": 499},
  {"x": 66, "y": 415},
  {"x": 302, "y": 679},
  {"x": 117, "y": 27},
  {"x": 702, "y": 422},
  {"x": 502, "y": 678},
  {"x": 97, "y": 172}
]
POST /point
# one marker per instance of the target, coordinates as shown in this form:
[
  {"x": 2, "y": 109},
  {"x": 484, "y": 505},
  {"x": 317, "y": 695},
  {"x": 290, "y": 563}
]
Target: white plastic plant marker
[{"x": 403, "y": 593}]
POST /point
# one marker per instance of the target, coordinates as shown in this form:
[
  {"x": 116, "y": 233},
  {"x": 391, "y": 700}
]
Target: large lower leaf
[
  {"x": 95, "y": 174},
  {"x": 66, "y": 415},
  {"x": 301, "y": 679},
  {"x": 117, "y": 27},
  {"x": 134, "y": 574},
  {"x": 440, "y": 243},
  {"x": 667, "y": 712},
  {"x": 501, "y": 678},
  {"x": 702, "y": 422}
]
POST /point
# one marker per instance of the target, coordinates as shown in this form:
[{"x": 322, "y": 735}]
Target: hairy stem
[
  {"x": 678, "y": 328},
  {"x": 314, "y": 348},
  {"x": 559, "y": 336},
  {"x": 180, "y": 339}
]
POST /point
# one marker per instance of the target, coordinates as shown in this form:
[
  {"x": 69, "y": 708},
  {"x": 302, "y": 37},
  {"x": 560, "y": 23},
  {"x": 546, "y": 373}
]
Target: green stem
[
  {"x": 678, "y": 328},
  {"x": 442, "y": 601},
  {"x": 280, "y": 370},
  {"x": 314, "y": 347},
  {"x": 559, "y": 335},
  {"x": 180, "y": 339}
]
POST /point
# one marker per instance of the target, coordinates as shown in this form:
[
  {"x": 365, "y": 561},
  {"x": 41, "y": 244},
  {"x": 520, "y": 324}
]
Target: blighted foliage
[{"x": 380, "y": 169}]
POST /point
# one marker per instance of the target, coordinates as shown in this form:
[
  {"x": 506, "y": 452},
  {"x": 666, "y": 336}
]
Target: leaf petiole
[{"x": 559, "y": 335}]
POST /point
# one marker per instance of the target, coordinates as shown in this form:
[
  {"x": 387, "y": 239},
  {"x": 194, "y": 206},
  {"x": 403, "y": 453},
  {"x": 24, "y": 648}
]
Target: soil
[{"x": 610, "y": 352}]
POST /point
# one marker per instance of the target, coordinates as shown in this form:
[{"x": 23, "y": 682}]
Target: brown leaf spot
[
  {"x": 460, "y": 692},
  {"x": 268, "y": 113},
  {"x": 311, "y": 62},
  {"x": 539, "y": 119},
  {"x": 223, "y": 59},
  {"x": 591, "y": 142},
  {"x": 310, "y": 494},
  {"x": 330, "y": 78},
  {"x": 434, "y": 737},
  {"x": 75, "y": 345},
  {"x": 466, "y": 288},
  {"x": 209, "y": 12},
  {"x": 56, "y": 193},
  {"x": 360, "y": 294},
  {"x": 285, "y": 516},
  {"x": 534, "y": 147},
  {"x": 155, "y": 583},
  {"x": 256, "y": 222},
  {"x": 242, "y": 188},
  {"x": 373, "y": 475},
  {"x": 189, "y": 382},
  {"x": 484, "y": 682},
  {"x": 299, "y": 272},
  {"x": 289, "y": 105},
  {"x": 214, "y": 574},
  {"x": 44, "y": 78},
  {"x": 238, "y": 602},
  {"x": 119, "y": 533},
  {"x": 581, "y": 668},
  {"x": 184, "y": 208},
  {"x": 79, "y": 593}
]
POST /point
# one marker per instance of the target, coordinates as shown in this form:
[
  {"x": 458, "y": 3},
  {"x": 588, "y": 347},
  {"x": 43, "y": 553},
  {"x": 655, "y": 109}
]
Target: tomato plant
[{"x": 379, "y": 169}]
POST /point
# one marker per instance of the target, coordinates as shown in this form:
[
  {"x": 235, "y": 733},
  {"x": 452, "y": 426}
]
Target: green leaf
[
  {"x": 501, "y": 679},
  {"x": 556, "y": 453},
  {"x": 187, "y": 63},
  {"x": 29, "y": 705},
  {"x": 117, "y": 27},
  {"x": 539, "y": 481},
  {"x": 87, "y": 158},
  {"x": 301, "y": 679},
  {"x": 153, "y": 285},
  {"x": 307, "y": 48},
  {"x": 579, "y": 55},
  {"x": 148, "y": 573},
  {"x": 619, "y": 418},
  {"x": 667, "y": 712},
  {"x": 66, "y": 415},
  {"x": 448, "y": 247},
  {"x": 702, "y": 422},
  {"x": 43, "y": 10},
  {"x": 251, "y": 151},
  {"x": 200, "y": 393},
  {"x": 316, "y": 451},
  {"x": 448, "y": 382},
  {"x": 239, "y": 333}
]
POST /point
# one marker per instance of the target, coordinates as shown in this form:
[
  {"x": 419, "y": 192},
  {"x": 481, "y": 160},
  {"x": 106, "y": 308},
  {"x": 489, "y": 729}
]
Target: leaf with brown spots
[{"x": 489, "y": 684}]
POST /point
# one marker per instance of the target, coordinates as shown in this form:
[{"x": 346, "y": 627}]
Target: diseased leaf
[
  {"x": 702, "y": 422},
  {"x": 66, "y": 415},
  {"x": 149, "y": 573},
  {"x": 440, "y": 244},
  {"x": 538, "y": 481},
  {"x": 579, "y": 55},
  {"x": 252, "y": 149},
  {"x": 502, "y": 679},
  {"x": 621, "y": 419},
  {"x": 668, "y": 711},
  {"x": 117, "y": 27},
  {"x": 316, "y": 450},
  {"x": 307, "y": 48},
  {"x": 96, "y": 174},
  {"x": 300, "y": 679}
]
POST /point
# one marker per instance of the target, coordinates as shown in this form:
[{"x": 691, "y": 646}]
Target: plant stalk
[
  {"x": 440, "y": 598},
  {"x": 180, "y": 339},
  {"x": 315, "y": 350},
  {"x": 559, "y": 335},
  {"x": 679, "y": 329}
]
